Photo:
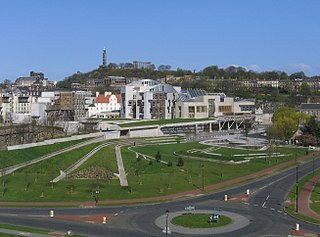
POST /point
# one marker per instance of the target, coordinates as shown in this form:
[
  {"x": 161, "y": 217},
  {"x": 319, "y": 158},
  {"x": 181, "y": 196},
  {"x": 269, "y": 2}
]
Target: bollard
[
  {"x": 104, "y": 220},
  {"x": 248, "y": 192},
  {"x": 51, "y": 214},
  {"x": 69, "y": 232},
  {"x": 297, "y": 227},
  {"x": 226, "y": 197}
]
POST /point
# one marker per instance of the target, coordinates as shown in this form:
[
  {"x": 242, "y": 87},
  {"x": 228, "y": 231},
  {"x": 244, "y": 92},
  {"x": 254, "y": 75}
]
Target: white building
[
  {"x": 106, "y": 105},
  {"x": 148, "y": 99},
  {"x": 202, "y": 105}
]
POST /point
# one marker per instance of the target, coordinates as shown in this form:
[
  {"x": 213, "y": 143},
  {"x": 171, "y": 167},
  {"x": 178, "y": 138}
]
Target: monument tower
[{"x": 104, "y": 58}]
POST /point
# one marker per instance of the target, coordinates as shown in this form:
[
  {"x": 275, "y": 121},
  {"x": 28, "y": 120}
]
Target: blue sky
[{"x": 60, "y": 37}]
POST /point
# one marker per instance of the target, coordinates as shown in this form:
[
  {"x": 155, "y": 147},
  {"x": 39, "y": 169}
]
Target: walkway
[
  {"x": 122, "y": 174},
  {"x": 304, "y": 198},
  {"x": 238, "y": 222}
]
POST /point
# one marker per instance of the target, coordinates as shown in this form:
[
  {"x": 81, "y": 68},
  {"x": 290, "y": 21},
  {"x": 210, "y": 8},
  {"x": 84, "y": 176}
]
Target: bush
[
  {"x": 169, "y": 164},
  {"x": 180, "y": 162},
  {"x": 158, "y": 156}
]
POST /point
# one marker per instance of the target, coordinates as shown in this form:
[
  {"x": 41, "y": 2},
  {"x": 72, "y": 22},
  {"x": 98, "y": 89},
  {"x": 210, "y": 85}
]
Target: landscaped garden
[{"x": 157, "y": 170}]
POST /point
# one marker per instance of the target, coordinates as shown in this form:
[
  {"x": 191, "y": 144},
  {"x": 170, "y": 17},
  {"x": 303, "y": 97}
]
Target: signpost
[
  {"x": 189, "y": 209},
  {"x": 214, "y": 218}
]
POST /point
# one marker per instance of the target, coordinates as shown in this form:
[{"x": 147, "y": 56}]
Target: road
[{"x": 264, "y": 210}]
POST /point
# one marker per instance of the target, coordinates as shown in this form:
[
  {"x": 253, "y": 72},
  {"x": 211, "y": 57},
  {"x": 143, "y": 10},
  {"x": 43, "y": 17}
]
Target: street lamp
[
  {"x": 202, "y": 171},
  {"x": 297, "y": 188},
  {"x": 167, "y": 216},
  {"x": 97, "y": 189}
]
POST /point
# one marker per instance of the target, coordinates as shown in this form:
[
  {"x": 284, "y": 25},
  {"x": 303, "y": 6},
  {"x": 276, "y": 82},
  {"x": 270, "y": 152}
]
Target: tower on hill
[{"x": 104, "y": 58}]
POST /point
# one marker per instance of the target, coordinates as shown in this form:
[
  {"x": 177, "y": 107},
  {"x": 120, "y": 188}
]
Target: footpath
[
  {"x": 305, "y": 198},
  {"x": 195, "y": 192}
]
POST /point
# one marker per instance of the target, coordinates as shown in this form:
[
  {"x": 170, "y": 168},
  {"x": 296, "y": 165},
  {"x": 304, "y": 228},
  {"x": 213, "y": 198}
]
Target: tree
[
  {"x": 305, "y": 89},
  {"x": 180, "y": 162},
  {"x": 307, "y": 140},
  {"x": 286, "y": 127},
  {"x": 247, "y": 127},
  {"x": 297, "y": 75},
  {"x": 113, "y": 65},
  {"x": 158, "y": 156},
  {"x": 164, "y": 67}
]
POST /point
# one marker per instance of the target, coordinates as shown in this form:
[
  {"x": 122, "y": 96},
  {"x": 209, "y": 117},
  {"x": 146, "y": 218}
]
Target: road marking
[
  {"x": 116, "y": 214},
  {"x": 267, "y": 197},
  {"x": 272, "y": 209},
  {"x": 246, "y": 203},
  {"x": 264, "y": 204},
  {"x": 37, "y": 215},
  {"x": 255, "y": 205},
  {"x": 24, "y": 233},
  {"x": 279, "y": 211},
  {"x": 8, "y": 214}
]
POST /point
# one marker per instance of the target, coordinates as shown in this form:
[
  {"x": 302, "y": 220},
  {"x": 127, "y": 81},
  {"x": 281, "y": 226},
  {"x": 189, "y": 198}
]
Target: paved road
[{"x": 264, "y": 212}]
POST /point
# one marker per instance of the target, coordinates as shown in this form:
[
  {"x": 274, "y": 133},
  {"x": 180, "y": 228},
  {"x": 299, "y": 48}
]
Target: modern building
[
  {"x": 199, "y": 104},
  {"x": 149, "y": 99}
]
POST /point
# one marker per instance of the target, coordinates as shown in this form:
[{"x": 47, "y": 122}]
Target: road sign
[{"x": 190, "y": 208}]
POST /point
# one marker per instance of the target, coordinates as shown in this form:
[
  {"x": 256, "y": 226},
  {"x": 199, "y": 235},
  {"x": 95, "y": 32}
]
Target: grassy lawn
[
  {"x": 105, "y": 157},
  {"x": 199, "y": 221},
  {"x": 9, "y": 158},
  {"x": 159, "y": 122},
  {"x": 146, "y": 179},
  {"x": 23, "y": 228},
  {"x": 33, "y": 183}
]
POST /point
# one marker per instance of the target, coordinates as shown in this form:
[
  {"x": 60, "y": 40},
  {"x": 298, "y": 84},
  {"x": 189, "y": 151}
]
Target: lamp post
[
  {"x": 202, "y": 171},
  {"x": 167, "y": 216},
  {"x": 297, "y": 188},
  {"x": 313, "y": 166},
  {"x": 97, "y": 188}
]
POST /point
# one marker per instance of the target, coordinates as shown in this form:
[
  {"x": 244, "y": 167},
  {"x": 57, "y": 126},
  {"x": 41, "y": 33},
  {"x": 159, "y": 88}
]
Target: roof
[
  {"x": 106, "y": 99},
  {"x": 310, "y": 106}
]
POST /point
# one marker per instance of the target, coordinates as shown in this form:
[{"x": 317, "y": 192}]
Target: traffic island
[{"x": 201, "y": 222}]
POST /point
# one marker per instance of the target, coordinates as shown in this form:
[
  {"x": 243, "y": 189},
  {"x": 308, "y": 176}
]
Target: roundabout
[{"x": 237, "y": 222}]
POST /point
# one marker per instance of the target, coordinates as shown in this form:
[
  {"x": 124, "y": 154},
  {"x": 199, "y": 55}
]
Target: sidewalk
[
  {"x": 170, "y": 196},
  {"x": 304, "y": 198}
]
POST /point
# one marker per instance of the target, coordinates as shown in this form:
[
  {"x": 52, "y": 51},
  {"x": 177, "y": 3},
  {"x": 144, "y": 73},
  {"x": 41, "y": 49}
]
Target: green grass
[
  {"x": 199, "y": 221},
  {"x": 23, "y": 228},
  {"x": 9, "y": 158},
  {"x": 145, "y": 179},
  {"x": 159, "y": 122},
  {"x": 8, "y": 235},
  {"x": 105, "y": 157},
  {"x": 29, "y": 183}
]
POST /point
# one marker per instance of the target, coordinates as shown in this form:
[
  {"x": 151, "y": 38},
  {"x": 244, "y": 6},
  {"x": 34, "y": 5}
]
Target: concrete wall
[
  {"x": 112, "y": 135},
  {"x": 145, "y": 132},
  {"x": 53, "y": 141}
]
